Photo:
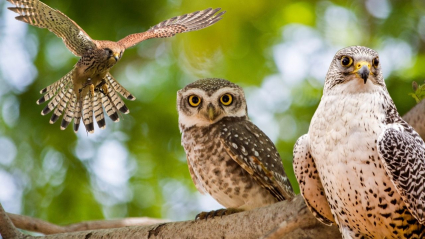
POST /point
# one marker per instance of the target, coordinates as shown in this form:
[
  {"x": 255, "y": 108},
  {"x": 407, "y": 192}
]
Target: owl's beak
[
  {"x": 362, "y": 70},
  {"x": 212, "y": 114}
]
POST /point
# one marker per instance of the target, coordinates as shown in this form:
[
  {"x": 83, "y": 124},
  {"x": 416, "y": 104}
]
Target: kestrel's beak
[
  {"x": 116, "y": 56},
  {"x": 212, "y": 114},
  {"x": 362, "y": 70}
]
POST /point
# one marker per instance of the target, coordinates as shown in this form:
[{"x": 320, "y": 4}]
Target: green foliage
[
  {"x": 419, "y": 92},
  {"x": 137, "y": 167}
]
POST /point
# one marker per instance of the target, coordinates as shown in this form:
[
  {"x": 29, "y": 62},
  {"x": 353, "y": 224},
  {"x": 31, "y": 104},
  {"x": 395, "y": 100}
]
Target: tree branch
[
  {"x": 292, "y": 218},
  {"x": 38, "y": 225},
  {"x": 7, "y": 229}
]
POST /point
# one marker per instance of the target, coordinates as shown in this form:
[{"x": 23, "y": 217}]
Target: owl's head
[{"x": 207, "y": 101}]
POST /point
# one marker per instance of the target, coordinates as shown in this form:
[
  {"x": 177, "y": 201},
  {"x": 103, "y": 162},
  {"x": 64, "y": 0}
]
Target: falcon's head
[
  {"x": 355, "y": 69},
  {"x": 109, "y": 53}
]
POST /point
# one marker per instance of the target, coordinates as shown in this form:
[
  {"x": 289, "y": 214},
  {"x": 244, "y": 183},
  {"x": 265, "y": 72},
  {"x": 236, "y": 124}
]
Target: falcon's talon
[
  {"x": 105, "y": 89},
  {"x": 91, "y": 90}
]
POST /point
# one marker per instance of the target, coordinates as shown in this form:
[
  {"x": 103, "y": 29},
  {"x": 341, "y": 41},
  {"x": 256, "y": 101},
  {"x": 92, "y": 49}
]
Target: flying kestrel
[{"x": 89, "y": 85}]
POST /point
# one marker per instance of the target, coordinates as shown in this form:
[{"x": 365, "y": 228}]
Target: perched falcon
[
  {"x": 361, "y": 165},
  {"x": 89, "y": 85}
]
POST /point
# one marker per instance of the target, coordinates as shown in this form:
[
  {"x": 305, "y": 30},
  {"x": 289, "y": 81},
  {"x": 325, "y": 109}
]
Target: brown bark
[
  {"x": 7, "y": 229},
  {"x": 37, "y": 225},
  {"x": 292, "y": 218}
]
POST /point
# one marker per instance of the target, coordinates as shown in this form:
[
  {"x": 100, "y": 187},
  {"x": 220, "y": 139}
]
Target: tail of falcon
[{"x": 63, "y": 100}]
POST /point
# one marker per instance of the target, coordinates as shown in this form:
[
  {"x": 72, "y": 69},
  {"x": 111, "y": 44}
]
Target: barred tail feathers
[
  {"x": 88, "y": 114},
  {"x": 98, "y": 110},
  {"x": 78, "y": 113},
  {"x": 64, "y": 101},
  {"x": 119, "y": 88},
  {"x": 61, "y": 106},
  {"x": 69, "y": 112}
]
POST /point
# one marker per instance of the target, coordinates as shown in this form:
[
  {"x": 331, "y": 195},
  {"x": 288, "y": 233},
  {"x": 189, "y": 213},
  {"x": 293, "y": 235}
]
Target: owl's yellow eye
[
  {"x": 226, "y": 99},
  {"x": 194, "y": 100},
  {"x": 346, "y": 61}
]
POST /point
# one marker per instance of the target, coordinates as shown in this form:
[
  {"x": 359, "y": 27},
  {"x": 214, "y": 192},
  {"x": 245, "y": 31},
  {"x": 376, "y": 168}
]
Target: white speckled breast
[{"x": 343, "y": 142}]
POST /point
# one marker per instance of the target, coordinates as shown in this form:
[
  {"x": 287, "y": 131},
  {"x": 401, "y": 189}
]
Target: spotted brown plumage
[
  {"x": 228, "y": 156},
  {"x": 361, "y": 165},
  {"x": 89, "y": 86}
]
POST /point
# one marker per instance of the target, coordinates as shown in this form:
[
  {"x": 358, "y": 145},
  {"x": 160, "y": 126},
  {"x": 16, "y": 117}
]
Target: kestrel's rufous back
[{"x": 89, "y": 85}]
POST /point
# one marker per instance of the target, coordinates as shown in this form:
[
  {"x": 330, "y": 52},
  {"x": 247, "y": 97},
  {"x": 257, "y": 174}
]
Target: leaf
[{"x": 419, "y": 93}]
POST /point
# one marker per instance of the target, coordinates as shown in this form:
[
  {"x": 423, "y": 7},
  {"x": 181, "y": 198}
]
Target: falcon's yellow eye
[
  {"x": 226, "y": 99},
  {"x": 375, "y": 62},
  {"x": 346, "y": 61},
  {"x": 194, "y": 100}
]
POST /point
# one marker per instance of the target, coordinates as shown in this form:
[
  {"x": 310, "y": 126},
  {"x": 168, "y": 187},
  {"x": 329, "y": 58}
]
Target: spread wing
[
  {"x": 402, "y": 152},
  {"x": 310, "y": 185},
  {"x": 40, "y": 15},
  {"x": 256, "y": 153},
  {"x": 168, "y": 28}
]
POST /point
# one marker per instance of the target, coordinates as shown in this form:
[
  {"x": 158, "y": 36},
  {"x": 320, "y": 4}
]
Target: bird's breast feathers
[{"x": 345, "y": 126}]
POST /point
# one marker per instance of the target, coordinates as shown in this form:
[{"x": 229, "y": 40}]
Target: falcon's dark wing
[{"x": 402, "y": 152}]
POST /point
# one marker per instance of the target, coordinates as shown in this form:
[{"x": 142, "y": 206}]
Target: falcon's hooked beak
[
  {"x": 212, "y": 113},
  {"x": 362, "y": 70},
  {"x": 116, "y": 56}
]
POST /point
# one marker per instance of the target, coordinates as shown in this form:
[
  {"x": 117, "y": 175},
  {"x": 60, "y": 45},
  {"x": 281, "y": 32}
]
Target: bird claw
[
  {"x": 90, "y": 85},
  {"x": 212, "y": 214},
  {"x": 102, "y": 87}
]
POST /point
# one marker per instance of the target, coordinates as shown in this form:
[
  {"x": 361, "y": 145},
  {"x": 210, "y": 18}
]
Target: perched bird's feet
[{"x": 220, "y": 212}]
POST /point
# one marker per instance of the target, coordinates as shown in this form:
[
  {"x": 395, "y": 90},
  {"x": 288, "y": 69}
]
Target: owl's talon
[{"x": 220, "y": 212}]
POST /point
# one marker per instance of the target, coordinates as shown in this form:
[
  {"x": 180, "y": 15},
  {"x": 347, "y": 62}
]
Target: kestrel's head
[
  {"x": 205, "y": 102},
  {"x": 354, "y": 69},
  {"x": 109, "y": 53}
]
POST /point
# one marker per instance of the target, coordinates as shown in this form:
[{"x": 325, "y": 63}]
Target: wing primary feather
[
  {"x": 170, "y": 27},
  {"x": 38, "y": 14}
]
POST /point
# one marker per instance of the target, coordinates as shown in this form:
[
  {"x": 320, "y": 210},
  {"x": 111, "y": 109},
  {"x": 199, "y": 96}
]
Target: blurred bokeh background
[{"x": 278, "y": 51}]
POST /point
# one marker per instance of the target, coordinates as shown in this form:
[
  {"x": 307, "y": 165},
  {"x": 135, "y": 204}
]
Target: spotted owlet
[
  {"x": 89, "y": 85},
  {"x": 361, "y": 165},
  {"x": 228, "y": 156}
]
